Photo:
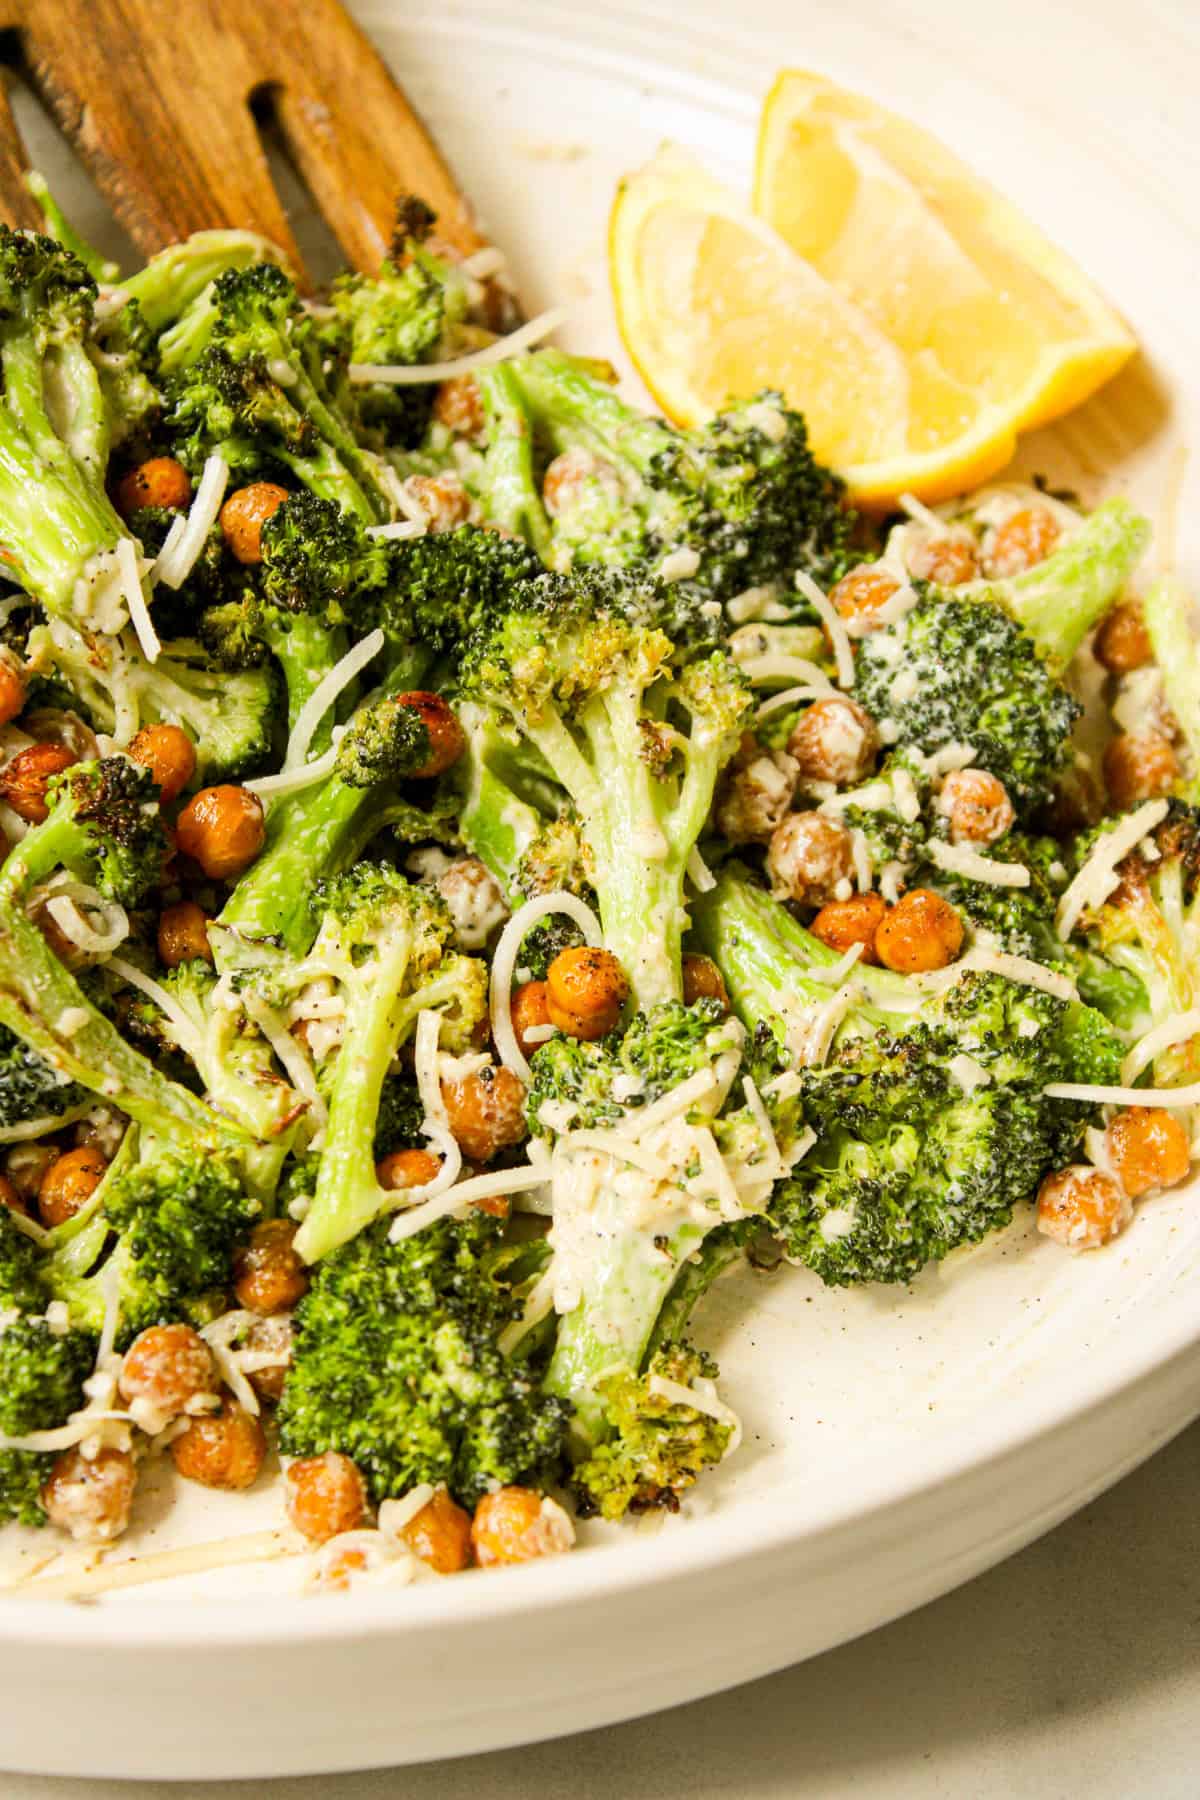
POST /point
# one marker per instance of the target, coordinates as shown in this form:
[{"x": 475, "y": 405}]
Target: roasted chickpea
[
  {"x": 268, "y": 1275},
  {"x": 568, "y": 477},
  {"x": 222, "y": 829},
  {"x": 91, "y": 1498},
  {"x": 168, "y": 1366},
  {"x": 586, "y": 987},
  {"x": 1025, "y": 538},
  {"x": 447, "y": 740},
  {"x": 271, "y": 1339},
  {"x": 921, "y": 932},
  {"x": 946, "y": 561},
  {"x": 25, "y": 777},
  {"x": 401, "y": 1169},
  {"x": 756, "y": 794},
  {"x": 183, "y": 934},
  {"x": 843, "y": 923},
  {"x": 224, "y": 1449},
  {"x": 458, "y": 405},
  {"x": 1081, "y": 1207},
  {"x": 860, "y": 594},
  {"x": 12, "y": 686},
  {"x": 167, "y": 752},
  {"x": 440, "y": 1534},
  {"x": 324, "y": 1496},
  {"x": 1147, "y": 1148},
  {"x": 26, "y": 1165},
  {"x": 69, "y": 1183},
  {"x": 834, "y": 741},
  {"x": 515, "y": 1525},
  {"x": 530, "y": 1009},
  {"x": 245, "y": 513},
  {"x": 1122, "y": 643},
  {"x": 160, "y": 481},
  {"x": 442, "y": 498},
  {"x": 1138, "y": 768},
  {"x": 977, "y": 806},
  {"x": 10, "y": 1198},
  {"x": 475, "y": 900},
  {"x": 809, "y": 858},
  {"x": 486, "y": 1112},
  {"x": 702, "y": 980}
]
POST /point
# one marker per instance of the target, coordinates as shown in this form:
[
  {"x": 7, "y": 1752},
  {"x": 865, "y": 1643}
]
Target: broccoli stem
[
  {"x": 305, "y": 650},
  {"x": 177, "y": 276},
  {"x": 1059, "y": 600},
  {"x": 1166, "y": 610},
  {"x": 508, "y": 486},
  {"x": 572, "y": 408},
  {"x": 719, "y": 1251},
  {"x": 42, "y": 1002},
  {"x": 55, "y": 520},
  {"x": 58, "y": 226}
]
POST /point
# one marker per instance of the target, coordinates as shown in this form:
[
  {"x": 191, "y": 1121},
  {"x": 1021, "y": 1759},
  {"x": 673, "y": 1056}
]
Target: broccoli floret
[
  {"x": 635, "y": 727},
  {"x": 30, "y": 1090},
  {"x": 102, "y": 826},
  {"x": 387, "y": 945},
  {"x": 168, "y": 1221},
  {"x": 41, "y": 1383},
  {"x": 660, "y": 1445},
  {"x": 656, "y": 1052},
  {"x": 930, "y": 1115},
  {"x": 174, "y": 280},
  {"x": 20, "y": 1268},
  {"x": 744, "y": 492},
  {"x": 230, "y": 398},
  {"x": 385, "y": 741},
  {"x": 59, "y": 227},
  {"x": 400, "y": 1117},
  {"x": 396, "y": 1364}
]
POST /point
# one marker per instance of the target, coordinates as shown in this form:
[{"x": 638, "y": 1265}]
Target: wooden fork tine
[
  {"x": 17, "y": 205},
  {"x": 351, "y": 132},
  {"x": 159, "y": 114}
]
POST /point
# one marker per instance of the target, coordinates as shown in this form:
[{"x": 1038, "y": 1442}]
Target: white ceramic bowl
[{"x": 896, "y": 1443}]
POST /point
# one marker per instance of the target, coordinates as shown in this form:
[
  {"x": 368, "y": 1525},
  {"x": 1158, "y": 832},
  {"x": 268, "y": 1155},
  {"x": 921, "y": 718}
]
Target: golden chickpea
[
  {"x": 167, "y": 1366},
  {"x": 1122, "y": 643},
  {"x": 269, "y": 1337},
  {"x": 324, "y": 1496},
  {"x": 835, "y": 741},
  {"x": 268, "y": 1275},
  {"x": 25, "y": 1167},
  {"x": 530, "y": 1007},
  {"x": 69, "y": 1183},
  {"x": 809, "y": 858},
  {"x": 442, "y": 498},
  {"x": 221, "y": 1450},
  {"x": 1081, "y": 1207},
  {"x": 1025, "y": 539},
  {"x": 91, "y": 1498},
  {"x": 160, "y": 481},
  {"x": 183, "y": 934},
  {"x": 12, "y": 686},
  {"x": 167, "y": 752},
  {"x": 1138, "y": 768},
  {"x": 977, "y": 806},
  {"x": 1147, "y": 1148},
  {"x": 486, "y": 1112},
  {"x": 458, "y": 405},
  {"x": 24, "y": 779},
  {"x": 586, "y": 987},
  {"x": 222, "y": 829},
  {"x": 862, "y": 592},
  {"x": 946, "y": 561},
  {"x": 702, "y": 980},
  {"x": 921, "y": 932},
  {"x": 10, "y": 1198},
  {"x": 447, "y": 740},
  {"x": 566, "y": 478},
  {"x": 401, "y": 1169},
  {"x": 843, "y": 923},
  {"x": 440, "y": 1534},
  {"x": 245, "y": 513},
  {"x": 515, "y": 1525}
]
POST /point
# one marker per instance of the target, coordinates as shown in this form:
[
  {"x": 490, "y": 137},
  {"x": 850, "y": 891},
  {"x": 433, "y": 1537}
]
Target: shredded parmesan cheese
[
  {"x": 290, "y": 781},
  {"x": 131, "y": 587},
  {"x": 960, "y": 859},
  {"x": 178, "y": 555},
  {"x": 1175, "y": 1030},
  {"x": 699, "y": 873},
  {"x": 324, "y": 695},
  {"x": 833, "y": 622},
  {"x": 1021, "y": 969}
]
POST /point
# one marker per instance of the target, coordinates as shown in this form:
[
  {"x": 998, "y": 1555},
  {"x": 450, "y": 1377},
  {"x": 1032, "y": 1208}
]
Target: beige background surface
[{"x": 1072, "y": 1670}]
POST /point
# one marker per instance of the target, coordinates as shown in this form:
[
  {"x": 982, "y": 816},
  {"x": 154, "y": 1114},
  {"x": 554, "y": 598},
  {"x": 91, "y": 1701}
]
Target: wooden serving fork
[{"x": 158, "y": 100}]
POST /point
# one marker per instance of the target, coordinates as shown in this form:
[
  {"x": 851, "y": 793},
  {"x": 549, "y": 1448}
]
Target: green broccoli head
[
  {"x": 447, "y": 586},
  {"x": 927, "y": 1136},
  {"x": 396, "y": 1365},
  {"x": 971, "y": 676},
  {"x": 660, "y": 1445},
  {"x": 21, "y": 1287},
  {"x": 600, "y": 1081},
  {"x": 42, "y": 1373},
  {"x": 386, "y": 740},
  {"x": 30, "y": 1089},
  {"x": 104, "y": 825},
  {"x": 318, "y": 559}
]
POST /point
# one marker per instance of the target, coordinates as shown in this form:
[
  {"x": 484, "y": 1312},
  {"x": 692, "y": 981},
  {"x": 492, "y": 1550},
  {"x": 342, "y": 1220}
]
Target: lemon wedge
[{"x": 914, "y": 316}]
